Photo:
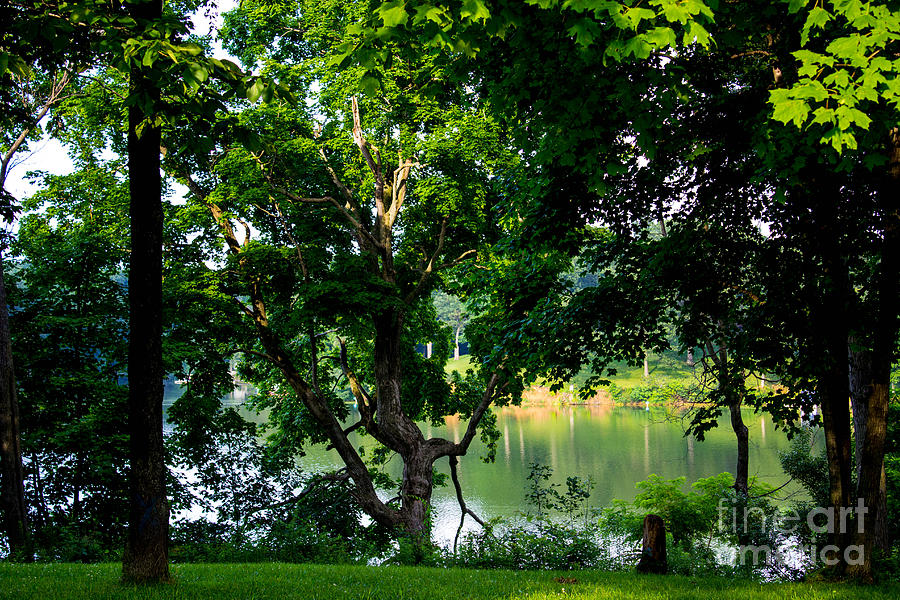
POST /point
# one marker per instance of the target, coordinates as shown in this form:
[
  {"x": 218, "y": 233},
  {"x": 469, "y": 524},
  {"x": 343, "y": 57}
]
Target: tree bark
[
  {"x": 830, "y": 318},
  {"x": 884, "y": 346},
  {"x": 653, "y": 547},
  {"x": 15, "y": 512},
  {"x": 742, "y": 433},
  {"x": 862, "y": 388},
  {"x": 146, "y": 558}
]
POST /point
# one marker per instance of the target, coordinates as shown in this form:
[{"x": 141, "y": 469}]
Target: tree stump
[{"x": 653, "y": 551}]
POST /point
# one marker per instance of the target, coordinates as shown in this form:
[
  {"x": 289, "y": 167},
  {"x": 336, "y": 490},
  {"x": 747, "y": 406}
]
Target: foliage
[
  {"x": 67, "y": 296},
  {"x": 846, "y": 77},
  {"x": 655, "y": 393},
  {"x": 551, "y": 546},
  {"x": 695, "y": 517}
]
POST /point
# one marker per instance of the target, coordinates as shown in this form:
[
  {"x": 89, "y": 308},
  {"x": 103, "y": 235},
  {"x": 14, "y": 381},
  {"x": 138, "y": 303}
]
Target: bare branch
[
  {"x": 464, "y": 510},
  {"x": 348, "y": 195},
  {"x": 262, "y": 355},
  {"x": 246, "y": 231},
  {"x": 462, "y": 257},
  {"x": 374, "y": 166},
  {"x": 398, "y": 190},
  {"x": 54, "y": 97},
  {"x": 429, "y": 267},
  {"x": 363, "y": 232},
  {"x": 486, "y": 400},
  {"x": 751, "y": 53},
  {"x": 363, "y": 400}
]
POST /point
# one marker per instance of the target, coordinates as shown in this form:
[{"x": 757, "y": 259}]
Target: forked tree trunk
[
  {"x": 146, "y": 557},
  {"x": 12, "y": 492}
]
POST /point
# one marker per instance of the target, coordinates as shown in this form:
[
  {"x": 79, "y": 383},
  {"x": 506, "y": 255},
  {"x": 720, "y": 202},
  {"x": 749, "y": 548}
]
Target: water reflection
[{"x": 616, "y": 446}]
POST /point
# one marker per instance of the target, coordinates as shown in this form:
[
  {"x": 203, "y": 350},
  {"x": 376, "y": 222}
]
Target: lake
[{"x": 616, "y": 446}]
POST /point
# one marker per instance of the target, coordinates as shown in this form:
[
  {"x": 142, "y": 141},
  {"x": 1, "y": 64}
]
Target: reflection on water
[{"x": 616, "y": 446}]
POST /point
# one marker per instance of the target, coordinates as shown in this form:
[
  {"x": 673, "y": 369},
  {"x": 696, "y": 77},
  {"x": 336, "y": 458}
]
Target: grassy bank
[{"x": 264, "y": 581}]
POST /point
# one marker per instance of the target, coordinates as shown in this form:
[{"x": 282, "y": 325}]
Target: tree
[
  {"x": 70, "y": 322},
  {"x": 349, "y": 249},
  {"x": 34, "y": 94},
  {"x": 146, "y": 557},
  {"x": 454, "y": 313},
  {"x": 822, "y": 225}
]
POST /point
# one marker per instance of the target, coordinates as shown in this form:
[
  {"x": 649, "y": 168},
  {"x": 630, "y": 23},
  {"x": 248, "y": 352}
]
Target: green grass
[
  {"x": 460, "y": 365},
  {"x": 664, "y": 368},
  {"x": 307, "y": 582}
]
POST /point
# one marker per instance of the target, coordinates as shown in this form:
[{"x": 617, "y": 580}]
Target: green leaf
[
  {"x": 696, "y": 33},
  {"x": 393, "y": 14},
  {"x": 474, "y": 10},
  {"x": 370, "y": 85},
  {"x": 149, "y": 57},
  {"x": 823, "y": 116},
  {"x": 585, "y": 32},
  {"x": 255, "y": 90},
  {"x": 818, "y": 17},
  {"x": 427, "y": 12},
  {"x": 810, "y": 90},
  {"x": 199, "y": 71},
  {"x": 796, "y": 5},
  {"x": 846, "y": 47},
  {"x": 788, "y": 109},
  {"x": 660, "y": 37}
]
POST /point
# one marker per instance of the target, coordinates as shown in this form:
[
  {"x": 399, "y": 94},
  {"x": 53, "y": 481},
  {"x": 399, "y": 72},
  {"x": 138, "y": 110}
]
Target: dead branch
[
  {"x": 462, "y": 257},
  {"x": 464, "y": 510}
]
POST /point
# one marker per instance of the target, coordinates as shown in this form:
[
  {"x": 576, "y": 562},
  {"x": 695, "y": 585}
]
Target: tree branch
[
  {"x": 457, "y": 261},
  {"x": 55, "y": 91},
  {"x": 464, "y": 510},
  {"x": 429, "y": 267}
]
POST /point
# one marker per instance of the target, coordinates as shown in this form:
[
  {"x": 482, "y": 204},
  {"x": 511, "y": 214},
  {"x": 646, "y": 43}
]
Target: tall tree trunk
[
  {"x": 15, "y": 513},
  {"x": 885, "y": 340},
  {"x": 146, "y": 558},
  {"x": 831, "y": 322}
]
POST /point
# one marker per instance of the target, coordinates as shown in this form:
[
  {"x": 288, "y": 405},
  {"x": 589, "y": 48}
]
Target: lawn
[
  {"x": 463, "y": 363},
  {"x": 277, "y": 581}
]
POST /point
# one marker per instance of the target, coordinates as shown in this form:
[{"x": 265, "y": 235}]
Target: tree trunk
[
  {"x": 15, "y": 512},
  {"x": 831, "y": 321},
  {"x": 646, "y": 364},
  {"x": 456, "y": 341},
  {"x": 399, "y": 431},
  {"x": 741, "y": 432},
  {"x": 653, "y": 547},
  {"x": 146, "y": 558},
  {"x": 885, "y": 338},
  {"x": 862, "y": 388}
]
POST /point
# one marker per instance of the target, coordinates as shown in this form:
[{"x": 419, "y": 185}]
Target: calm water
[{"x": 615, "y": 446}]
